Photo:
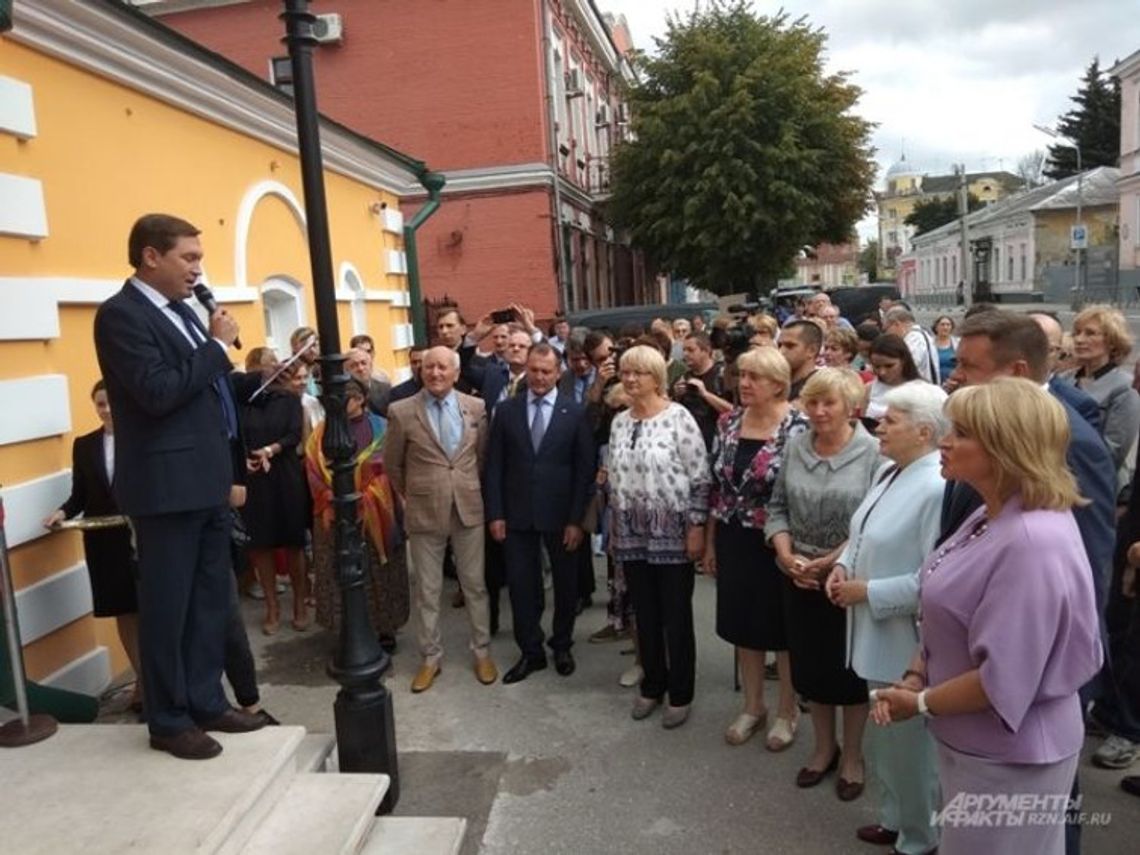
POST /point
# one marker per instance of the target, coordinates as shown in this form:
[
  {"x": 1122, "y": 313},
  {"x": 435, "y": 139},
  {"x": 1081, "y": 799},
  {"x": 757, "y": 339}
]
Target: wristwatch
[{"x": 923, "y": 709}]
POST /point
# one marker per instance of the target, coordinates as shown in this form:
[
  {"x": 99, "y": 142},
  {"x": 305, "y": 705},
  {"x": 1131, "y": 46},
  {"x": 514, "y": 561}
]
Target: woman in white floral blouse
[{"x": 659, "y": 482}]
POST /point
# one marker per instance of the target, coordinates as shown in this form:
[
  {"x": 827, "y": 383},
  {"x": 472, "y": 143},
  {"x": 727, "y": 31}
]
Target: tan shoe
[
  {"x": 743, "y": 727},
  {"x": 425, "y": 677},
  {"x": 485, "y": 670}
]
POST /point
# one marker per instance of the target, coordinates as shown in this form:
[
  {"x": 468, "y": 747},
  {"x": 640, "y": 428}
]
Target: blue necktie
[
  {"x": 220, "y": 383},
  {"x": 538, "y": 426},
  {"x": 447, "y": 437}
]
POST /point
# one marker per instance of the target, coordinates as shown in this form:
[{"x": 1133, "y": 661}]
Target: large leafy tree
[
  {"x": 1093, "y": 124},
  {"x": 932, "y": 213},
  {"x": 743, "y": 150},
  {"x": 869, "y": 260}
]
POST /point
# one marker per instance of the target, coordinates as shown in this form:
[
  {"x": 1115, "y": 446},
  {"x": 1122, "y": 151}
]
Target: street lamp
[
  {"x": 1078, "y": 291},
  {"x": 365, "y": 726}
]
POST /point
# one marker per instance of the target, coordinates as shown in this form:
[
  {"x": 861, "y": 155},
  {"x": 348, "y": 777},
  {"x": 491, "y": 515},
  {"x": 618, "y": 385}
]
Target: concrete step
[
  {"x": 314, "y": 752},
  {"x": 415, "y": 835},
  {"x": 101, "y": 789},
  {"x": 329, "y": 814}
]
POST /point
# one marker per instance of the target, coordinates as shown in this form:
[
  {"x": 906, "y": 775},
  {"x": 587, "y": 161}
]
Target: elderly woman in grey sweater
[{"x": 826, "y": 474}]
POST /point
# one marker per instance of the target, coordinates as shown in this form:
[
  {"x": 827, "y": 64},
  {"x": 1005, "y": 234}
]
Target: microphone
[{"x": 206, "y": 298}]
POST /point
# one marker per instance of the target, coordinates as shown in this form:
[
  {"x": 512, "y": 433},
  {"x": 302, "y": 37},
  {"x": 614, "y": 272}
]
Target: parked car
[{"x": 614, "y": 318}]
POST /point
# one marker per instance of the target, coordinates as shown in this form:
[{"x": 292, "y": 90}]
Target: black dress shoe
[
  {"x": 1131, "y": 785},
  {"x": 266, "y": 719},
  {"x": 190, "y": 744},
  {"x": 523, "y": 669},
  {"x": 564, "y": 662},
  {"x": 233, "y": 721},
  {"x": 877, "y": 834},
  {"x": 812, "y": 777},
  {"x": 387, "y": 643}
]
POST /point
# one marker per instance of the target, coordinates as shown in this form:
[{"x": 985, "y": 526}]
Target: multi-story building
[
  {"x": 907, "y": 187},
  {"x": 106, "y": 115},
  {"x": 517, "y": 102},
  {"x": 829, "y": 265},
  {"x": 1020, "y": 246},
  {"x": 1128, "y": 73}
]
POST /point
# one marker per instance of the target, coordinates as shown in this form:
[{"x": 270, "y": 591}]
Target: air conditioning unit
[
  {"x": 329, "y": 29},
  {"x": 603, "y": 117},
  {"x": 623, "y": 114},
  {"x": 574, "y": 83}
]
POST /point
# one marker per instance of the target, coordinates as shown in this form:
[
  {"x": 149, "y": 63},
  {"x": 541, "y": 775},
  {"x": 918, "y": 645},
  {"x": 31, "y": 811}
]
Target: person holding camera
[{"x": 700, "y": 391}]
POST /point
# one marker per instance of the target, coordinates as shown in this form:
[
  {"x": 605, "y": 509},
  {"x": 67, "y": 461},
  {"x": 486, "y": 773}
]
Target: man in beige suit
[{"x": 433, "y": 452}]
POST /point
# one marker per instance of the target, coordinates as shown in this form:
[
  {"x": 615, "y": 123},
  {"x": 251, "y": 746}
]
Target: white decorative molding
[
  {"x": 401, "y": 299},
  {"x": 401, "y": 374},
  {"x": 34, "y": 407},
  {"x": 248, "y": 205},
  {"x": 90, "y": 674},
  {"x": 113, "y": 44},
  {"x": 234, "y": 294},
  {"x": 28, "y": 310},
  {"x": 403, "y": 336},
  {"x": 23, "y": 213},
  {"x": 392, "y": 220},
  {"x": 53, "y": 602},
  {"x": 28, "y": 502},
  {"x": 17, "y": 108},
  {"x": 397, "y": 262}
]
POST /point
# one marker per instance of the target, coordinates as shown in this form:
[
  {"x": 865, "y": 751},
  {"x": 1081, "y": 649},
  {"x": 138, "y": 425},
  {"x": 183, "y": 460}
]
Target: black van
[
  {"x": 859, "y": 302},
  {"x": 614, "y": 318}
]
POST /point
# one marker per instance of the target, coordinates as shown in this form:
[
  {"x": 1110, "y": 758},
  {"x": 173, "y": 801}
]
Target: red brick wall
[
  {"x": 487, "y": 251},
  {"x": 456, "y": 83}
]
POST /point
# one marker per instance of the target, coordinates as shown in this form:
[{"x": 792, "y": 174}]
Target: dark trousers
[
  {"x": 662, "y": 597},
  {"x": 1118, "y": 705},
  {"x": 522, "y": 553},
  {"x": 494, "y": 574},
  {"x": 185, "y": 593},
  {"x": 584, "y": 555},
  {"x": 238, "y": 665}
]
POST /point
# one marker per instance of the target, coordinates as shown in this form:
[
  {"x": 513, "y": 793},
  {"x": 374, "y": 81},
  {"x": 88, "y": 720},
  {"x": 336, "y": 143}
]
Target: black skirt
[
  {"x": 817, "y": 642},
  {"x": 749, "y": 599},
  {"x": 112, "y": 570}
]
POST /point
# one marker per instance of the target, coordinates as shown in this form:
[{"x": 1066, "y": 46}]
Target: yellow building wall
[
  {"x": 106, "y": 154},
  {"x": 1053, "y": 231}
]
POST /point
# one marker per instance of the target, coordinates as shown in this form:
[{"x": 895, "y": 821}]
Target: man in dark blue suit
[
  {"x": 540, "y": 464},
  {"x": 175, "y": 416},
  {"x": 1002, "y": 344}
]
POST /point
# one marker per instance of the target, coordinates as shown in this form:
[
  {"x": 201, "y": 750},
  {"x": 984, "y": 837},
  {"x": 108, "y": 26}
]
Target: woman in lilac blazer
[{"x": 1008, "y": 629}]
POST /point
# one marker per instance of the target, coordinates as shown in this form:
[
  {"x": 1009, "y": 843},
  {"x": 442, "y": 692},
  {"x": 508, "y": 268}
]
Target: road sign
[{"x": 1079, "y": 237}]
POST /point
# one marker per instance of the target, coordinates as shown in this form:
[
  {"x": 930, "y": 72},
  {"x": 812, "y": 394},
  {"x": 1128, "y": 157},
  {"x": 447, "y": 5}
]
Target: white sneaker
[{"x": 631, "y": 677}]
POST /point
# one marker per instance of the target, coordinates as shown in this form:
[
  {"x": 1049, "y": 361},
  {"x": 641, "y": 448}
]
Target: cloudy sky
[{"x": 956, "y": 81}]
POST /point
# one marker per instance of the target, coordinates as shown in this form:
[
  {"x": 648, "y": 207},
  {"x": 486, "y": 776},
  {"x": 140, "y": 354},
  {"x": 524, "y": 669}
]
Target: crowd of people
[{"x": 933, "y": 533}]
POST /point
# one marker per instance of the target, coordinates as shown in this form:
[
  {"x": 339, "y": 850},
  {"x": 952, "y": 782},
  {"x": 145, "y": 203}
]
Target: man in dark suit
[
  {"x": 540, "y": 463},
  {"x": 175, "y": 417},
  {"x": 412, "y": 385},
  {"x": 507, "y": 379},
  {"x": 1002, "y": 344}
]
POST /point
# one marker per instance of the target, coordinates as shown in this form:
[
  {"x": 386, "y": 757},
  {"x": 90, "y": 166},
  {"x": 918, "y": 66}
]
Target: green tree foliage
[
  {"x": 743, "y": 151},
  {"x": 869, "y": 260},
  {"x": 933, "y": 213},
  {"x": 1093, "y": 124}
]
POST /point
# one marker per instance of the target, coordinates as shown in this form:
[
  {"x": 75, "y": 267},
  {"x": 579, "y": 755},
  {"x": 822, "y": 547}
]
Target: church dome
[{"x": 899, "y": 169}]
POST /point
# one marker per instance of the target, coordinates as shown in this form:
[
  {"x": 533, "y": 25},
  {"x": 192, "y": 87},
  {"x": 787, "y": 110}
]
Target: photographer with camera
[{"x": 701, "y": 389}]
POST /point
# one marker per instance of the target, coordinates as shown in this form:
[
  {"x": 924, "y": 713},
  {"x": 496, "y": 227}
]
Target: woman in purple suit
[{"x": 1008, "y": 628}]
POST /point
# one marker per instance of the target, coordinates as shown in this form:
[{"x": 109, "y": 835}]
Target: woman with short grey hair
[{"x": 876, "y": 581}]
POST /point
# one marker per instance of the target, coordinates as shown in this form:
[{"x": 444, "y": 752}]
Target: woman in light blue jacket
[{"x": 876, "y": 580}]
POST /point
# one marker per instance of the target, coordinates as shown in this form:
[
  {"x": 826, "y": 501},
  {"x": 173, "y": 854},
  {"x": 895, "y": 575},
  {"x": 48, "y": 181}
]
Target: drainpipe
[
  {"x": 552, "y": 121},
  {"x": 432, "y": 182}
]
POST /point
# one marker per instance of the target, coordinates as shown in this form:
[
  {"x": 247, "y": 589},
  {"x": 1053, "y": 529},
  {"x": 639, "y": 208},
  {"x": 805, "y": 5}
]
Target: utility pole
[{"x": 965, "y": 268}]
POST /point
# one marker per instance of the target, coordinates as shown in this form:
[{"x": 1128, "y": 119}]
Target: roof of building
[
  {"x": 901, "y": 167},
  {"x": 1097, "y": 188},
  {"x": 949, "y": 183}
]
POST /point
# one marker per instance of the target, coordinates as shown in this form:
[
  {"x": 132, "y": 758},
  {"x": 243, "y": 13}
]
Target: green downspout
[
  {"x": 5, "y": 15},
  {"x": 432, "y": 182}
]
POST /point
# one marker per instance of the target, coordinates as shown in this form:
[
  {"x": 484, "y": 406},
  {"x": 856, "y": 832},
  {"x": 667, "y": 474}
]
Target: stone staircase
[{"x": 101, "y": 789}]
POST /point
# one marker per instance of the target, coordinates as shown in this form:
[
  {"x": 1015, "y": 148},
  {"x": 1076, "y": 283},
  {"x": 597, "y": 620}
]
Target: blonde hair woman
[
  {"x": 747, "y": 455},
  {"x": 1008, "y": 621},
  {"x": 1101, "y": 342},
  {"x": 826, "y": 474},
  {"x": 659, "y": 483}
]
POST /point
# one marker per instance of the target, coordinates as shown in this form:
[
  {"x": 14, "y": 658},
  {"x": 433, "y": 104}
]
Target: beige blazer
[{"x": 420, "y": 470}]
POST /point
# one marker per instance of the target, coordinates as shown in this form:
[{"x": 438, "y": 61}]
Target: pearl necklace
[{"x": 980, "y": 529}]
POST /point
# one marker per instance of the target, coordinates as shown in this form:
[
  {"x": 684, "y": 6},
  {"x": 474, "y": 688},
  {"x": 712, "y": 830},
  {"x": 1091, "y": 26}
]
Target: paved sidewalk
[{"x": 555, "y": 765}]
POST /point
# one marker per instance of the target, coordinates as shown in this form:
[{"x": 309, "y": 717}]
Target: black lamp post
[{"x": 365, "y": 726}]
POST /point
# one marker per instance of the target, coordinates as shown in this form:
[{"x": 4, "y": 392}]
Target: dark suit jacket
[
  {"x": 379, "y": 396},
  {"x": 108, "y": 551},
  {"x": 543, "y": 491},
  {"x": 404, "y": 390},
  {"x": 1078, "y": 399},
  {"x": 1091, "y": 462},
  {"x": 496, "y": 377},
  {"x": 172, "y": 453}
]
